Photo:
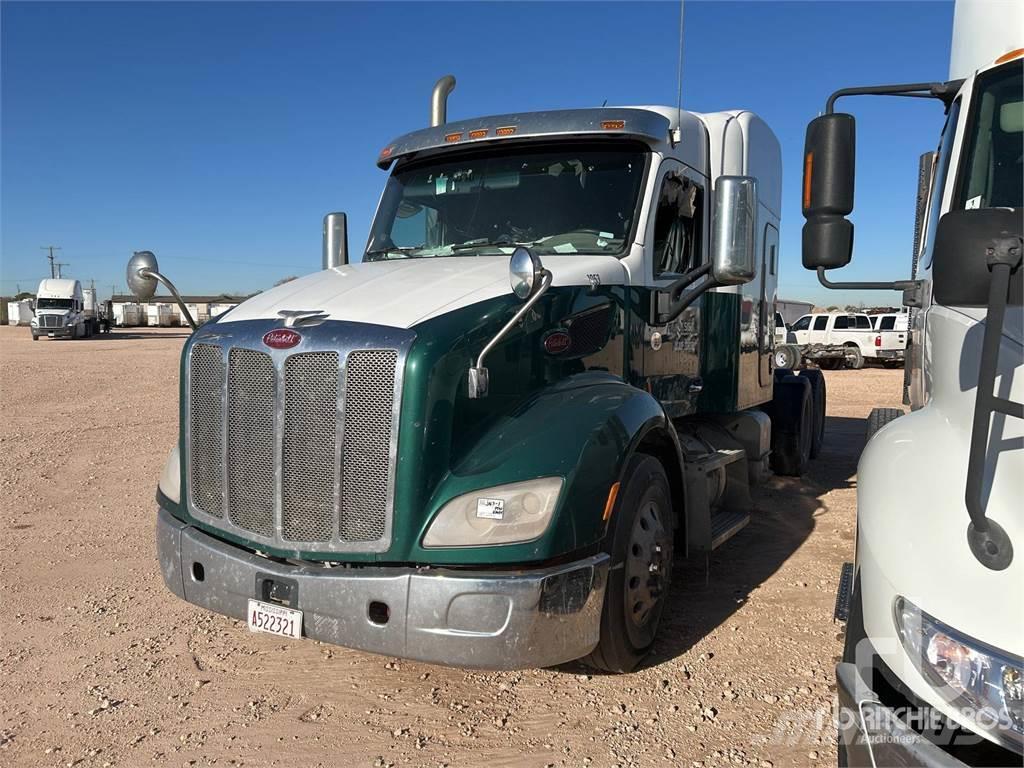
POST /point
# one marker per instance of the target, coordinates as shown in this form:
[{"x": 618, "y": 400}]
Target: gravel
[{"x": 100, "y": 665}]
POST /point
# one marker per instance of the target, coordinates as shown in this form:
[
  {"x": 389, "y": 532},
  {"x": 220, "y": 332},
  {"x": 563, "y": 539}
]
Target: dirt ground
[{"x": 100, "y": 665}]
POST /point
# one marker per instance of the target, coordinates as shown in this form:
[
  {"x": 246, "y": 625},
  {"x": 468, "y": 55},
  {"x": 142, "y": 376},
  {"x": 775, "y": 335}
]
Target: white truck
[
  {"x": 932, "y": 672},
  {"x": 548, "y": 378},
  {"x": 60, "y": 310},
  {"x": 835, "y": 339}
]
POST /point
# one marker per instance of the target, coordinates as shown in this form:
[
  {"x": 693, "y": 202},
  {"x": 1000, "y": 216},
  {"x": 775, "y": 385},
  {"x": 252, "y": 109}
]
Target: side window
[
  {"x": 938, "y": 182},
  {"x": 863, "y": 324},
  {"x": 820, "y": 322},
  {"x": 773, "y": 258},
  {"x": 779, "y": 322},
  {"x": 888, "y": 323},
  {"x": 677, "y": 226},
  {"x": 802, "y": 324},
  {"x": 842, "y": 323}
]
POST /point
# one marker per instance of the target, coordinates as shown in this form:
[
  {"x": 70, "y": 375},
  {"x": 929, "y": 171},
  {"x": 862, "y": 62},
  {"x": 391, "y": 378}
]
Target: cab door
[{"x": 766, "y": 307}]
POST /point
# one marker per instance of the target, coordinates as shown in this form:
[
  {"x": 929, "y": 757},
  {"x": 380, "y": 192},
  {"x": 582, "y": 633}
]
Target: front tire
[{"x": 640, "y": 544}]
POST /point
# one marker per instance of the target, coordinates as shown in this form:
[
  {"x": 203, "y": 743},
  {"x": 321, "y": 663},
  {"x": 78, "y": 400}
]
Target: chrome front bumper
[{"x": 481, "y": 619}]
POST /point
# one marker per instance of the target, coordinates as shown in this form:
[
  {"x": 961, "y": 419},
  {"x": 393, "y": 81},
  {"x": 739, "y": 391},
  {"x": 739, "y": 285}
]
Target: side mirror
[
  {"x": 829, "y": 154},
  {"x": 141, "y": 267},
  {"x": 734, "y": 231},
  {"x": 524, "y": 272},
  {"x": 335, "y": 236},
  {"x": 967, "y": 245}
]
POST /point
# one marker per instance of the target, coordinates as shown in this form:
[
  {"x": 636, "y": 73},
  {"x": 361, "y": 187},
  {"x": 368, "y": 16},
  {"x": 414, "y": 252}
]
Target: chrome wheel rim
[{"x": 647, "y": 564}]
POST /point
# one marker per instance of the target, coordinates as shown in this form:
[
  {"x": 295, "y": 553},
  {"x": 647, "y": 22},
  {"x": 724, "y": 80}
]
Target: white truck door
[
  {"x": 801, "y": 329},
  {"x": 818, "y": 333}
]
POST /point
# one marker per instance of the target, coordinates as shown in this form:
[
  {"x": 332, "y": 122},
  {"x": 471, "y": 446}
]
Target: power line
[
  {"x": 51, "y": 249},
  {"x": 58, "y": 264}
]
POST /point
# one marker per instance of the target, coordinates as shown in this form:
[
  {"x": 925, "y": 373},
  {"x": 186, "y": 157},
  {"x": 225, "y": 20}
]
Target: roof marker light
[
  {"x": 479, "y": 133},
  {"x": 1016, "y": 53},
  {"x": 451, "y": 138},
  {"x": 508, "y": 130},
  {"x": 386, "y": 152},
  {"x": 613, "y": 125}
]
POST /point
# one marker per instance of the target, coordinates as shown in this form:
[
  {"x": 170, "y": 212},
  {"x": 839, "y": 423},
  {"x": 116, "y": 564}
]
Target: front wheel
[{"x": 641, "y": 567}]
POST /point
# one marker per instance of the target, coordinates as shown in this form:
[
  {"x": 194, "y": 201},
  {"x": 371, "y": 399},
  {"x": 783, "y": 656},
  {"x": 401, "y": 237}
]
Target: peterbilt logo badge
[
  {"x": 282, "y": 338},
  {"x": 556, "y": 342}
]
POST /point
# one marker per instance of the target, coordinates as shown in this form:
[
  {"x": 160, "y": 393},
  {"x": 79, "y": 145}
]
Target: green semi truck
[{"x": 548, "y": 379}]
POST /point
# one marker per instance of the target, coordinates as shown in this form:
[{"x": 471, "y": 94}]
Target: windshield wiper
[
  {"x": 490, "y": 244},
  {"x": 405, "y": 250}
]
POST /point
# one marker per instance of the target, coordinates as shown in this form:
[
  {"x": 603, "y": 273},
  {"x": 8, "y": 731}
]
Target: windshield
[
  {"x": 992, "y": 173},
  {"x": 53, "y": 303},
  {"x": 573, "y": 199}
]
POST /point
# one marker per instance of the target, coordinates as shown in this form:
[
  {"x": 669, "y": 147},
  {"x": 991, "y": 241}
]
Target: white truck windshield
[
  {"x": 43, "y": 303},
  {"x": 558, "y": 200}
]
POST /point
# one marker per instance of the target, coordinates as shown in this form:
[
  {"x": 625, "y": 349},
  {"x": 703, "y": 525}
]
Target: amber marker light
[
  {"x": 1016, "y": 53},
  {"x": 451, "y": 138},
  {"x": 508, "y": 130},
  {"x": 613, "y": 494},
  {"x": 613, "y": 125},
  {"x": 478, "y": 134},
  {"x": 808, "y": 167}
]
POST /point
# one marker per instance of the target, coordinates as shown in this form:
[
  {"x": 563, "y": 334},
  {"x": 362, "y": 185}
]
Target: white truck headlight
[
  {"x": 170, "y": 478},
  {"x": 504, "y": 514},
  {"x": 985, "y": 683}
]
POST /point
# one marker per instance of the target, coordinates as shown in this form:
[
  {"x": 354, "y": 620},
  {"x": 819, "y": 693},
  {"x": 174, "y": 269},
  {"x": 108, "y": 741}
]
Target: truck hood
[{"x": 404, "y": 292}]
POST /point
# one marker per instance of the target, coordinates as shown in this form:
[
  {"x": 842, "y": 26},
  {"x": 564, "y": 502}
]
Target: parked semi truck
[
  {"x": 932, "y": 671},
  {"x": 485, "y": 445},
  {"x": 60, "y": 310}
]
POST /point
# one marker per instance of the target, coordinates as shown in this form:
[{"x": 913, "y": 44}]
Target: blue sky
[{"x": 218, "y": 134}]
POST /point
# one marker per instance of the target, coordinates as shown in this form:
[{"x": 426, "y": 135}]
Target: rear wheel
[
  {"x": 641, "y": 568},
  {"x": 792, "y": 425},
  {"x": 854, "y": 357},
  {"x": 879, "y": 417},
  {"x": 787, "y": 357},
  {"x": 819, "y": 403}
]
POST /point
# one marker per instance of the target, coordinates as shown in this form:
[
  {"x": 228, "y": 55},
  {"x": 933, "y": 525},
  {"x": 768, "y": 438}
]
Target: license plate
[{"x": 274, "y": 619}]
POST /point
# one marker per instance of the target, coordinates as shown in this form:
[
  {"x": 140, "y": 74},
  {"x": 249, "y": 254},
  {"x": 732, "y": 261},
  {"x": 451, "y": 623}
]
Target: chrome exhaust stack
[{"x": 439, "y": 100}]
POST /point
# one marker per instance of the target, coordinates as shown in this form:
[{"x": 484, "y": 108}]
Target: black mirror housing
[
  {"x": 967, "y": 244},
  {"x": 827, "y": 241},
  {"x": 829, "y": 153}
]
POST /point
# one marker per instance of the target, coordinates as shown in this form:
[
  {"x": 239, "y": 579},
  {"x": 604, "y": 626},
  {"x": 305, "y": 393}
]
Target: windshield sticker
[
  {"x": 564, "y": 248},
  {"x": 490, "y": 509},
  {"x": 440, "y": 185},
  {"x": 974, "y": 202}
]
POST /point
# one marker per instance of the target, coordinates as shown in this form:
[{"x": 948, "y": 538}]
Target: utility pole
[
  {"x": 60, "y": 264},
  {"x": 51, "y": 249}
]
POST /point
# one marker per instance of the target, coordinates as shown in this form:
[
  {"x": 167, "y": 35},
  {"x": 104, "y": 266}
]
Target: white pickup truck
[{"x": 833, "y": 339}]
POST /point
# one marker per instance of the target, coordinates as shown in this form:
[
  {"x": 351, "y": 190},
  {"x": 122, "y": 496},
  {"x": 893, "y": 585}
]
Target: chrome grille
[
  {"x": 252, "y": 400},
  {"x": 309, "y": 473},
  {"x": 295, "y": 449},
  {"x": 369, "y": 405},
  {"x": 51, "y": 321},
  {"x": 206, "y": 463}
]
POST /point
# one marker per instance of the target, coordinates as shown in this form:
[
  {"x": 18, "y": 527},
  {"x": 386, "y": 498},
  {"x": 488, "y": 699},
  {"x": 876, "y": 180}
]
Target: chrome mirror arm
[
  {"x": 478, "y": 378},
  {"x": 174, "y": 292}
]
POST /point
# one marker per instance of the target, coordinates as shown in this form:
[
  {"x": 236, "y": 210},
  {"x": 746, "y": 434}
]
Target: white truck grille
[{"x": 295, "y": 449}]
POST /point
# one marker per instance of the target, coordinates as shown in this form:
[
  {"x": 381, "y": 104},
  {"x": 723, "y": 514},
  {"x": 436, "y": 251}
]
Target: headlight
[
  {"x": 504, "y": 514},
  {"x": 170, "y": 478},
  {"x": 33, "y": 322},
  {"x": 986, "y": 684}
]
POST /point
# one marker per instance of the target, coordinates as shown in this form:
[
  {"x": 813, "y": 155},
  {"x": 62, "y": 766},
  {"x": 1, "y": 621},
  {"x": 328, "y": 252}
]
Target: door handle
[{"x": 695, "y": 387}]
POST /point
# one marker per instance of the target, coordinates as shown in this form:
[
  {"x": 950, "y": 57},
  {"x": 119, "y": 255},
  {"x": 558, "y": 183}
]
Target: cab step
[{"x": 725, "y": 524}]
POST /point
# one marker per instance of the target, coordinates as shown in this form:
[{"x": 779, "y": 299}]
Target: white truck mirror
[{"x": 734, "y": 231}]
